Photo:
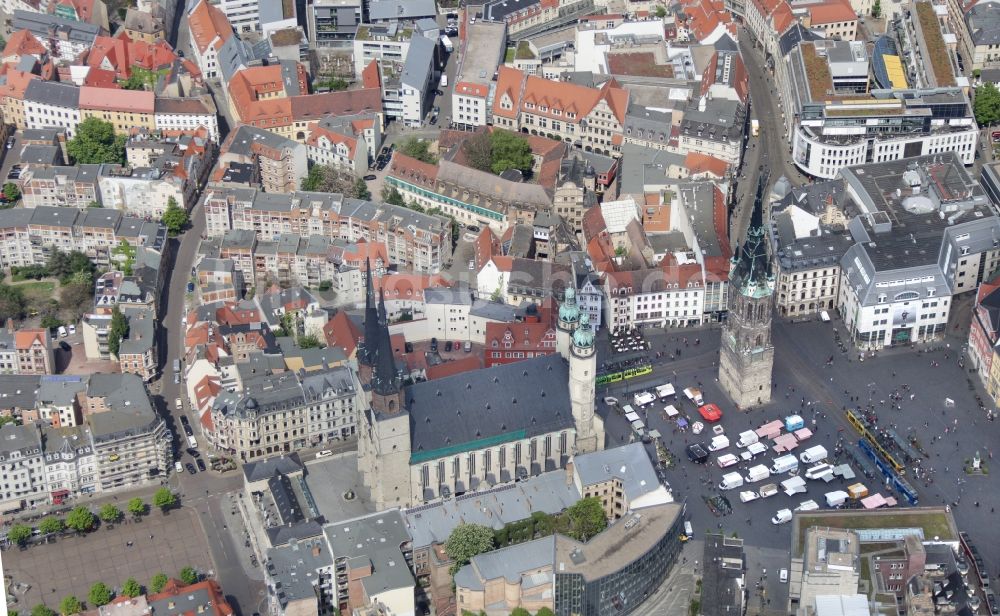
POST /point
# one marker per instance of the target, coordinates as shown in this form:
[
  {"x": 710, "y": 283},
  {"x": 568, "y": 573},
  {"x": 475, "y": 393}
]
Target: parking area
[{"x": 160, "y": 543}]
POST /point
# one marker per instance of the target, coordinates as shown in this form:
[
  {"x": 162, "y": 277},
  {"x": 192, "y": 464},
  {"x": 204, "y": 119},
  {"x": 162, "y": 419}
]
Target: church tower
[
  {"x": 366, "y": 351},
  {"x": 582, "y": 375},
  {"x": 569, "y": 316},
  {"x": 747, "y": 355}
]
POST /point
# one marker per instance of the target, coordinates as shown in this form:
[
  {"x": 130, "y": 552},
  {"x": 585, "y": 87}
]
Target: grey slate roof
[
  {"x": 492, "y": 310},
  {"x": 505, "y": 402},
  {"x": 983, "y": 22},
  {"x": 292, "y": 568},
  {"x": 641, "y": 166},
  {"x": 722, "y": 582},
  {"x": 378, "y": 538},
  {"x": 60, "y": 390},
  {"x": 18, "y": 391},
  {"x": 66, "y": 443},
  {"x": 446, "y": 295},
  {"x": 245, "y": 136},
  {"x": 24, "y": 439},
  {"x": 508, "y": 563},
  {"x": 419, "y": 62},
  {"x": 267, "y": 468},
  {"x": 793, "y": 36},
  {"x": 630, "y": 464},
  {"x": 130, "y": 411},
  {"x": 721, "y": 121},
  {"x": 53, "y": 93},
  {"x": 45, "y": 26}
]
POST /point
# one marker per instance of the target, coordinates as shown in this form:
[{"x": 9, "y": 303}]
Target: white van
[
  {"x": 727, "y": 460},
  {"x": 326, "y": 453},
  {"x": 62, "y": 331},
  {"x": 757, "y": 473},
  {"x": 748, "y": 495},
  {"x": 809, "y": 505},
  {"x": 643, "y": 398},
  {"x": 747, "y": 438},
  {"x": 665, "y": 391},
  {"x": 755, "y": 449},
  {"x": 836, "y": 498},
  {"x": 719, "y": 443},
  {"x": 820, "y": 471},
  {"x": 784, "y": 464},
  {"x": 782, "y": 516},
  {"x": 730, "y": 481},
  {"x": 815, "y": 453},
  {"x": 688, "y": 530},
  {"x": 768, "y": 490}
]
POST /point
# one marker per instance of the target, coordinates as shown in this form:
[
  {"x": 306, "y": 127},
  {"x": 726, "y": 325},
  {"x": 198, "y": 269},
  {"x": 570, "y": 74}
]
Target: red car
[{"x": 710, "y": 412}]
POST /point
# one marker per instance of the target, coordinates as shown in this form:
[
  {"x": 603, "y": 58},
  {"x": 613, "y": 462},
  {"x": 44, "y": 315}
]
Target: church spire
[
  {"x": 367, "y": 355},
  {"x": 751, "y": 272},
  {"x": 385, "y": 379}
]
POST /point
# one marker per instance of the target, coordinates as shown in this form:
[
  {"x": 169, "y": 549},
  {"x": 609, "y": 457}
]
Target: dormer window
[
  {"x": 543, "y": 108},
  {"x": 556, "y": 112}
]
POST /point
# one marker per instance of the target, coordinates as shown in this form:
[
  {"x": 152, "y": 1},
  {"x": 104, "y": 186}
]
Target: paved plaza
[
  {"x": 805, "y": 384},
  {"x": 70, "y": 566}
]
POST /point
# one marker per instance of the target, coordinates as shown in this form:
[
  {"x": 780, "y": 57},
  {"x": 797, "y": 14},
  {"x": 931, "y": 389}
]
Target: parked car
[
  {"x": 190, "y": 468},
  {"x": 178, "y": 467},
  {"x": 447, "y": 346},
  {"x": 188, "y": 430},
  {"x": 71, "y": 329},
  {"x": 370, "y": 178},
  {"x": 200, "y": 463},
  {"x": 10, "y": 142},
  {"x": 783, "y": 576},
  {"x": 193, "y": 452}
]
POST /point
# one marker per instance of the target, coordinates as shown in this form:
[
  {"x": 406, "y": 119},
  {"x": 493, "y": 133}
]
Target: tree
[
  {"x": 308, "y": 341},
  {"x": 93, "y": 204},
  {"x": 12, "y": 303},
  {"x": 478, "y": 151},
  {"x": 7, "y": 419},
  {"x": 11, "y": 191},
  {"x": 158, "y": 582},
  {"x": 586, "y": 517},
  {"x": 131, "y": 588},
  {"x": 986, "y": 105},
  {"x": 51, "y": 321},
  {"x": 466, "y": 541},
  {"x": 99, "y": 594},
  {"x": 117, "y": 331},
  {"x": 76, "y": 296},
  {"x": 509, "y": 151},
  {"x": 164, "y": 499},
  {"x": 124, "y": 255},
  {"x": 51, "y": 525},
  {"x": 96, "y": 142},
  {"x": 70, "y": 605},
  {"x": 519, "y": 611},
  {"x": 661, "y": 11},
  {"x": 545, "y": 612},
  {"x": 111, "y": 514},
  {"x": 81, "y": 520},
  {"x": 189, "y": 576},
  {"x": 361, "y": 190},
  {"x": 174, "y": 217},
  {"x": 42, "y": 610},
  {"x": 333, "y": 83},
  {"x": 419, "y": 149},
  {"x": 313, "y": 179},
  {"x": 19, "y": 534},
  {"x": 392, "y": 196},
  {"x": 136, "y": 507},
  {"x": 877, "y": 9}
]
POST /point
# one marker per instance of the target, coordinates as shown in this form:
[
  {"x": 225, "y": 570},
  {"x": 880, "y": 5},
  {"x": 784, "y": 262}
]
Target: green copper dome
[
  {"x": 583, "y": 337},
  {"x": 569, "y": 312}
]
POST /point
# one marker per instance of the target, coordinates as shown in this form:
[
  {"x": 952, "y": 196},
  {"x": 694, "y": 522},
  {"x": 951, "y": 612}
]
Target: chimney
[
  {"x": 315, "y": 551},
  {"x": 569, "y": 473}
]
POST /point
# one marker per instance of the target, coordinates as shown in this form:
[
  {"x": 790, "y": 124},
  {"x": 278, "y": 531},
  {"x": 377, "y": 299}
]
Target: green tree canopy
[
  {"x": 419, "y": 149},
  {"x": 136, "y": 507},
  {"x": 519, "y": 611},
  {"x": 131, "y": 588},
  {"x": 42, "y": 610},
  {"x": 19, "y": 534},
  {"x": 466, "y": 541},
  {"x": 12, "y": 303},
  {"x": 76, "y": 296},
  {"x": 478, "y": 150},
  {"x": 81, "y": 519},
  {"x": 51, "y": 525},
  {"x": 586, "y": 518},
  {"x": 986, "y": 106},
  {"x": 164, "y": 499},
  {"x": 361, "y": 190},
  {"x": 117, "y": 331},
  {"x": 509, "y": 151},
  {"x": 308, "y": 341},
  {"x": 661, "y": 11},
  {"x": 545, "y": 612},
  {"x": 392, "y": 196},
  {"x": 189, "y": 575},
  {"x": 110, "y": 514},
  {"x": 11, "y": 191},
  {"x": 96, "y": 142},
  {"x": 70, "y": 605},
  {"x": 877, "y": 9},
  {"x": 158, "y": 582},
  {"x": 99, "y": 594},
  {"x": 174, "y": 217}
]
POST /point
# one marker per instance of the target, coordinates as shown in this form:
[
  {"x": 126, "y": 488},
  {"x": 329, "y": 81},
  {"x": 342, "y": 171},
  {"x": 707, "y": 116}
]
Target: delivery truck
[
  {"x": 756, "y": 449},
  {"x": 727, "y": 460},
  {"x": 748, "y": 495},
  {"x": 794, "y": 422},
  {"x": 816, "y": 453},
  {"x": 694, "y": 395},
  {"x": 757, "y": 473},
  {"x": 448, "y": 46},
  {"x": 665, "y": 391},
  {"x": 718, "y": 443},
  {"x": 755, "y": 127},
  {"x": 767, "y": 490},
  {"x": 731, "y": 481},
  {"x": 782, "y": 516},
  {"x": 747, "y": 438},
  {"x": 643, "y": 398},
  {"x": 836, "y": 498},
  {"x": 784, "y": 464}
]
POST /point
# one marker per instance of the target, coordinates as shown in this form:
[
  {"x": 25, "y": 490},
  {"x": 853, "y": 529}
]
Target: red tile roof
[
  {"x": 697, "y": 163},
  {"x": 343, "y": 333},
  {"x": 22, "y": 43},
  {"x": 412, "y": 170},
  {"x": 521, "y": 336},
  {"x": 209, "y": 26},
  {"x": 832, "y": 11},
  {"x": 26, "y": 338},
  {"x": 510, "y": 81},
  {"x": 105, "y": 99},
  {"x": 467, "y": 363},
  {"x": 370, "y": 77}
]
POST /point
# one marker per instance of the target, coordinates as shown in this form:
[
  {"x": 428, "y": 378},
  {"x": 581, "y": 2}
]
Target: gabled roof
[
  {"x": 831, "y": 12},
  {"x": 21, "y": 43},
  {"x": 209, "y": 26}
]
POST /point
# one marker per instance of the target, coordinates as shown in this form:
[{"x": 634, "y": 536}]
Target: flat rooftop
[
  {"x": 484, "y": 49},
  {"x": 618, "y": 546},
  {"x": 933, "y": 522}
]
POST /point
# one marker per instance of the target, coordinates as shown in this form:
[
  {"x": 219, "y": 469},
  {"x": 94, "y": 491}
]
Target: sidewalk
[{"x": 119, "y": 498}]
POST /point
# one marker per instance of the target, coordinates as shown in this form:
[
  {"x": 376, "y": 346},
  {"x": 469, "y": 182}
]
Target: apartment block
[{"x": 279, "y": 163}]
